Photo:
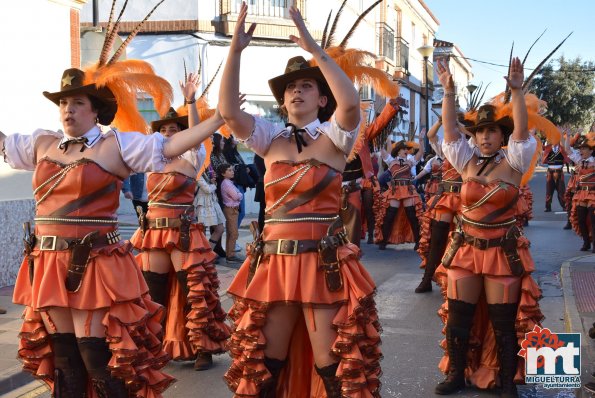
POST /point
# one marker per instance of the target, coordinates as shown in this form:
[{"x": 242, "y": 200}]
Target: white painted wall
[
  {"x": 34, "y": 56},
  {"x": 137, "y": 10}
]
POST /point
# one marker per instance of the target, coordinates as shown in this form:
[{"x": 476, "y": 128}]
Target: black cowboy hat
[
  {"x": 486, "y": 116},
  {"x": 298, "y": 68},
  {"x": 170, "y": 117},
  {"x": 72, "y": 84}
]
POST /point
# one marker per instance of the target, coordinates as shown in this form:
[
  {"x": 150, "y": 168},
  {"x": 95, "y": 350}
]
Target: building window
[
  {"x": 146, "y": 107},
  {"x": 261, "y": 8},
  {"x": 386, "y": 41},
  {"x": 403, "y": 54}
]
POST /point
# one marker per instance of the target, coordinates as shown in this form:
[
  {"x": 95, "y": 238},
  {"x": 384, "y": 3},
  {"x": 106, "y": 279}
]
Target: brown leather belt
[
  {"x": 586, "y": 188},
  {"x": 290, "y": 247},
  {"x": 53, "y": 242},
  {"x": 483, "y": 244},
  {"x": 401, "y": 182},
  {"x": 164, "y": 222},
  {"x": 451, "y": 187}
]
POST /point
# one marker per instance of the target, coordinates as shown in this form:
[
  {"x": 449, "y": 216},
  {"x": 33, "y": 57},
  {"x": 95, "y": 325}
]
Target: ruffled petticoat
[
  {"x": 296, "y": 279},
  {"x": 581, "y": 196},
  {"x": 482, "y": 358},
  {"x": 401, "y": 232},
  {"x": 203, "y": 328},
  {"x": 524, "y": 211},
  {"x": 112, "y": 281}
]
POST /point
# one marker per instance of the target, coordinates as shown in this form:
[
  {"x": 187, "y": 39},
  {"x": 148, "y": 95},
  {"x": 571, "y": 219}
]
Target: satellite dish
[{"x": 92, "y": 42}]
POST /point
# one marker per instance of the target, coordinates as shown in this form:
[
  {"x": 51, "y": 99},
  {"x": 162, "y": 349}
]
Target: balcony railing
[
  {"x": 403, "y": 54},
  {"x": 386, "y": 41},
  {"x": 260, "y": 8}
]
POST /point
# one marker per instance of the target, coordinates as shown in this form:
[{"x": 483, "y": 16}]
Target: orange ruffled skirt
[
  {"x": 113, "y": 282},
  {"x": 202, "y": 328},
  {"x": 581, "y": 196},
  {"x": 482, "y": 359},
  {"x": 296, "y": 279},
  {"x": 401, "y": 231}
]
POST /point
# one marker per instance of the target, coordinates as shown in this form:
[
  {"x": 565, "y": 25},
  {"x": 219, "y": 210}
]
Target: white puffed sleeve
[
  {"x": 575, "y": 155},
  {"x": 519, "y": 153},
  {"x": 196, "y": 156},
  {"x": 437, "y": 147},
  {"x": 19, "y": 149},
  {"x": 388, "y": 158},
  {"x": 141, "y": 153},
  {"x": 262, "y": 135},
  {"x": 343, "y": 139},
  {"x": 428, "y": 165},
  {"x": 458, "y": 152}
]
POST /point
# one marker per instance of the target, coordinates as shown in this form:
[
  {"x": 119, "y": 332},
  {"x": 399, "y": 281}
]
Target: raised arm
[
  {"x": 189, "y": 89},
  {"x": 239, "y": 121},
  {"x": 192, "y": 137},
  {"x": 347, "y": 113},
  {"x": 449, "y": 112},
  {"x": 519, "y": 109},
  {"x": 433, "y": 133},
  {"x": 422, "y": 145}
]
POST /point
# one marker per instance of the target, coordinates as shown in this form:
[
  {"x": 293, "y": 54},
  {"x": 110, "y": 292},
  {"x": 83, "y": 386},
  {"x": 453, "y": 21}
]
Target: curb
[{"x": 13, "y": 378}]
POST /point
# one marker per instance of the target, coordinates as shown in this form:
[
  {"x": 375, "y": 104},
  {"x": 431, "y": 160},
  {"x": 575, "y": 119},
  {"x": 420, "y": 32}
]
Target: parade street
[{"x": 411, "y": 328}]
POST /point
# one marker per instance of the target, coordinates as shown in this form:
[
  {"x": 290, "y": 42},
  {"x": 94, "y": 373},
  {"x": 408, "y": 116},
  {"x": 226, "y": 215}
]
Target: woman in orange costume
[
  {"x": 582, "y": 215},
  {"x": 489, "y": 264},
  {"x": 303, "y": 302},
  {"x": 171, "y": 241},
  {"x": 437, "y": 220},
  {"x": 89, "y": 316},
  {"x": 391, "y": 226}
]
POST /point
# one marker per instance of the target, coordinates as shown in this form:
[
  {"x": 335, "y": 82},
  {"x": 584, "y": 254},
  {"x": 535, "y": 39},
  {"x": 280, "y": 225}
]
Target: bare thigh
[
  {"x": 394, "y": 203},
  {"x": 408, "y": 202},
  {"x": 319, "y": 322},
  {"x": 502, "y": 289},
  {"x": 80, "y": 322},
  {"x": 280, "y": 322},
  {"x": 445, "y": 216},
  {"x": 464, "y": 285},
  {"x": 158, "y": 261}
]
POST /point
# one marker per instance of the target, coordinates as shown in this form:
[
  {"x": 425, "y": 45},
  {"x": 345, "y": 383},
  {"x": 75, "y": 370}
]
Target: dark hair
[
  {"x": 104, "y": 114},
  {"x": 221, "y": 169},
  {"x": 217, "y": 144},
  {"x": 325, "y": 112}
]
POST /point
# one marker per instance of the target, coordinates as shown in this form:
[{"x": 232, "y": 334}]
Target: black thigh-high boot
[
  {"x": 368, "y": 205},
  {"x": 438, "y": 240},
  {"x": 458, "y": 326},
  {"x": 332, "y": 384},
  {"x": 414, "y": 223},
  {"x": 96, "y": 355},
  {"x": 158, "y": 285},
  {"x": 70, "y": 374},
  {"x": 274, "y": 366},
  {"x": 581, "y": 213},
  {"x": 387, "y": 225},
  {"x": 503, "y": 318}
]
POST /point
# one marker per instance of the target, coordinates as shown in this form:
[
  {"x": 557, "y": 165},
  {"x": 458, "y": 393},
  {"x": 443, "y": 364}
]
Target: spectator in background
[
  {"x": 230, "y": 197},
  {"x": 208, "y": 210},
  {"x": 134, "y": 189},
  {"x": 259, "y": 193},
  {"x": 217, "y": 158},
  {"x": 242, "y": 178}
]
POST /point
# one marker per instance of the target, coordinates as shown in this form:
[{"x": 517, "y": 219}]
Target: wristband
[{"x": 190, "y": 101}]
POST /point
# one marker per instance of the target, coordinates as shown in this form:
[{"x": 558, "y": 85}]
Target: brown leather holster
[
  {"x": 29, "y": 243},
  {"x": 456, "y": 241},
  {"x": 509, "y": 246},
  {"x": 142, "y": 220},
  {"x": 79, "y": 257},
  {"x": 328, "y": 254},
  {"x": 185, "y": 221},
  {"x": 256, "y": 249}
]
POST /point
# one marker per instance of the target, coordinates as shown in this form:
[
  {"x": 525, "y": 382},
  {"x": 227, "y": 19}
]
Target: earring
[{"x": 96, "y": 120}]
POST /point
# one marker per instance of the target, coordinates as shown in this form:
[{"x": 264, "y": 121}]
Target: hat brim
[
  {"x": 182, "y": 120},
  {"x": 103, "y": 94},
  {"x": 505, "y": 123},
  {"x": 278, "y": 84}
]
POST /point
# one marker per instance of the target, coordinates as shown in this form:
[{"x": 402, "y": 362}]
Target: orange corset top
[
  {"x": 449, "y": 173},
  {"x": 170, "y": 194},
  {"x": 586, "y": 176},
  {"x": 302, "y": 199},
  {"x": 74, "y": 199},
  {"x": 488, "y": 208},
  {"x": 400, "y": 170}
]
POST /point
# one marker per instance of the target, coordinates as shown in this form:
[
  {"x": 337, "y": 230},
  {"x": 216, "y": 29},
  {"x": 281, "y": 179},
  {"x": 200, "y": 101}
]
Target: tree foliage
[{"x": 569, "y": 92}]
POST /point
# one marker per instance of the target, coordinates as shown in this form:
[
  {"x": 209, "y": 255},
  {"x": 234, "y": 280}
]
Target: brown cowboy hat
[
  {"x": 298, "y": 68},
  {"x": 170, "y": 117},
  {"x": 72, "y": 84},
  {"x": 585, "y": 141},
  {"x": 398, "y": 146},
  {"x": 486, "y": 116}
]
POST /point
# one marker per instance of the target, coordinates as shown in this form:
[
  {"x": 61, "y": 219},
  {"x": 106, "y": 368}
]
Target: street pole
[{"x": 426, "y": 139}]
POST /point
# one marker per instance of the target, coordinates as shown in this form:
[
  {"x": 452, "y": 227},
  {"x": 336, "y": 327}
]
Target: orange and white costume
[
  {"x": 73, "y": 200},
  {"x": 302, "y": 203}
]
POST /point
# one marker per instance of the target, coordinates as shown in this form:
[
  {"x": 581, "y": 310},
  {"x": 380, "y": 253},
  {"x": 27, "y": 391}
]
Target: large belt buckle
[
  {"x": 48, "y": 242},
  {"x": 281, "y": 245},
  {"x": 161, "y": 222},
  {"x": 480, "y": 243}
]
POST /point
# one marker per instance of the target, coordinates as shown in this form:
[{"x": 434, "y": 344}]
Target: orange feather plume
[{"x": 125, "y": 79}]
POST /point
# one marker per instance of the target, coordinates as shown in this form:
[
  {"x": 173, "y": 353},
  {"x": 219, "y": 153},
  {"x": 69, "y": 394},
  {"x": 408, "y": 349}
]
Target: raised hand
[
  {"x": 241, "y": 38},
  {"x": 190, "y": 87},
  {"x": 444, "y": 75},
  {"x": 305, "y": 39},
  {"x": 516, "y": 76}
]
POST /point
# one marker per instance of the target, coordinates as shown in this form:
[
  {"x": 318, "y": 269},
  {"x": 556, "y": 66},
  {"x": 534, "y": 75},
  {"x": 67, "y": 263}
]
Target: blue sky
[{"x": 485, "y": 30}]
